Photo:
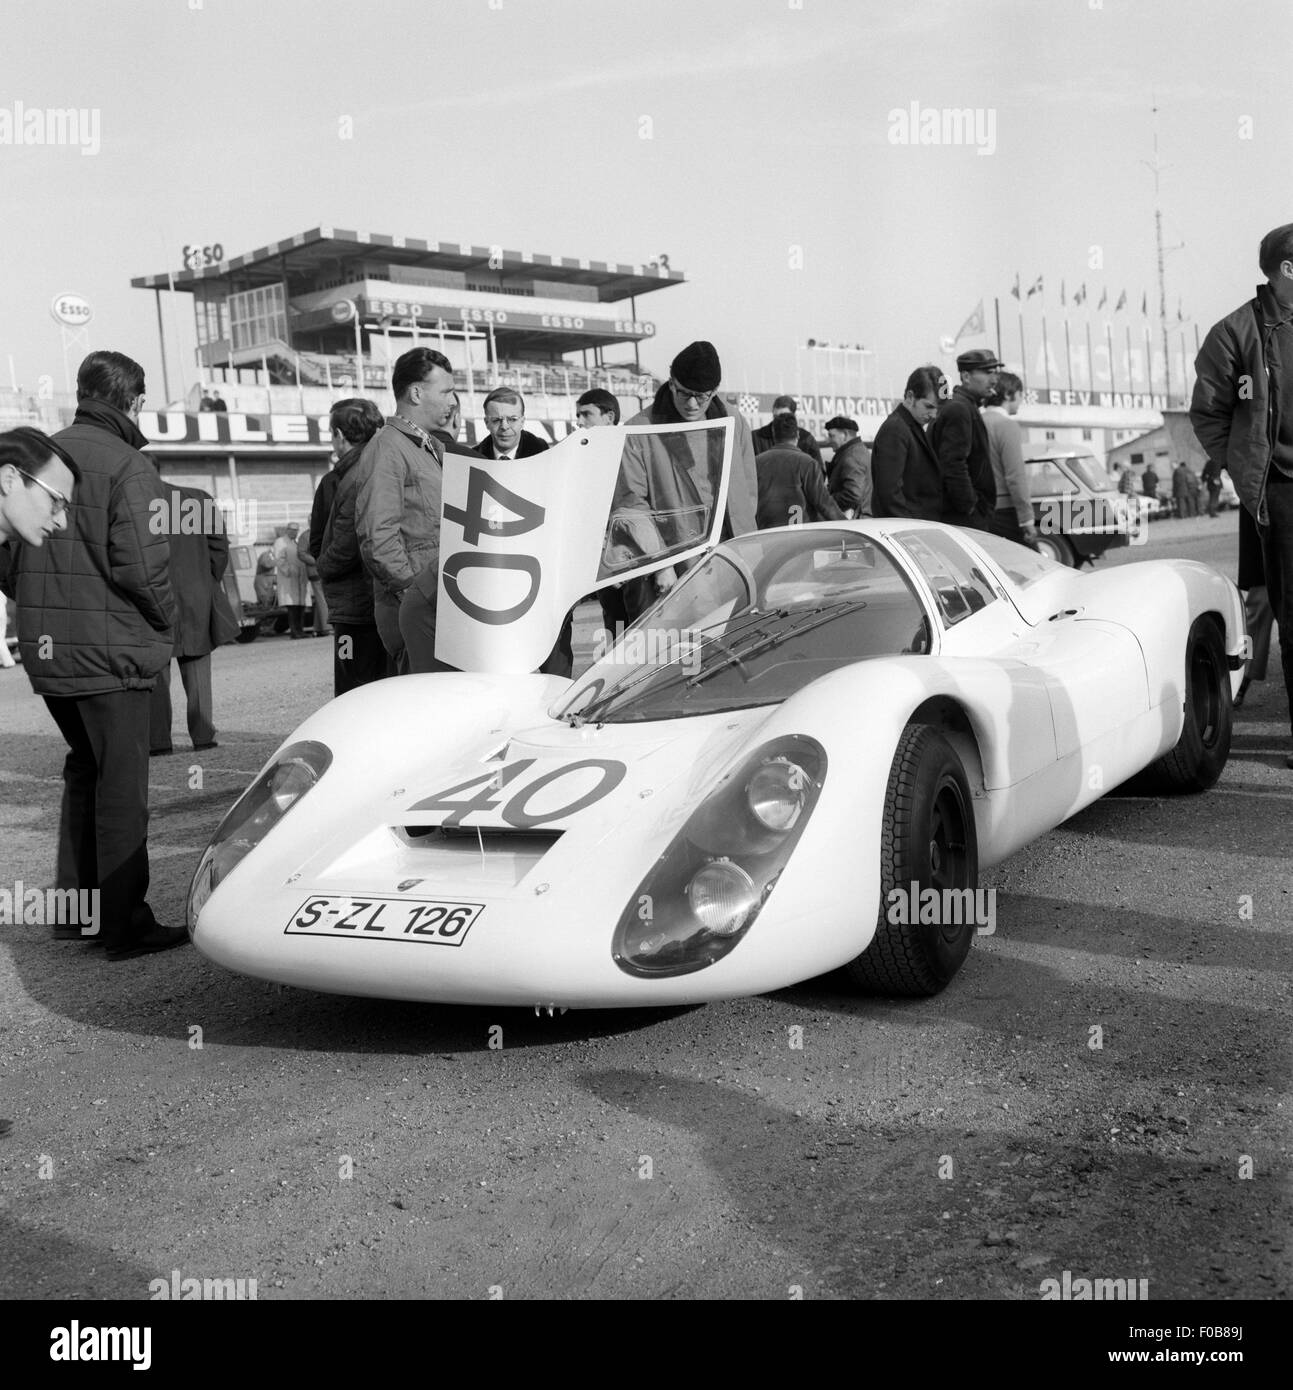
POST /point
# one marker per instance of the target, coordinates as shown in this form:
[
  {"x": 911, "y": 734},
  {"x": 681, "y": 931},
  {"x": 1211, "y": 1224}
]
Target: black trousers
[
  {"x": 1277, "y": 558},
  {"x": 195, "y": 674},
  {"x": 358, "y": 656},
  {"x": 103, "y": 824}
]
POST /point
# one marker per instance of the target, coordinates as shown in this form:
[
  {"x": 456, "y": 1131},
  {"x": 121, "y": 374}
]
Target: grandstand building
[{"x": 327, "y": 311}]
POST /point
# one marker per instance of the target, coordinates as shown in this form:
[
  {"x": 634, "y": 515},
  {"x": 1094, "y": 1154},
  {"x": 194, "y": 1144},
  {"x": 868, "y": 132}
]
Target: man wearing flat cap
[
  {"x": 960, "y": 439},
  {"x": 804, "y": 441},
  {"x": 678, "y": 476}
]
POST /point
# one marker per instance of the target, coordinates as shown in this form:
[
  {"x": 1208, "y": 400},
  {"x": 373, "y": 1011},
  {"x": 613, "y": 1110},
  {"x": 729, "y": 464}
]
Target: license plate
[{"x": 374, "y": 918}]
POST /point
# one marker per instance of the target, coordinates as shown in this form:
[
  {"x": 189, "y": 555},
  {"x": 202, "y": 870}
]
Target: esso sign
[
  {"x": 343, "y": 311},
  {"x": 71, "y": 310}
]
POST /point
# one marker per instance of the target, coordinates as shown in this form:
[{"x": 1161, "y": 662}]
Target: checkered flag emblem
[
  {"x": 1030, "y": 396},
  {"x": 748, "y": 405}
]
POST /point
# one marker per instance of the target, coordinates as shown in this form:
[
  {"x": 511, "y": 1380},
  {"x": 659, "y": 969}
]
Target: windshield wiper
[
  {"x": 813, "y": 617},
  {"x": 754, "y": 618}
]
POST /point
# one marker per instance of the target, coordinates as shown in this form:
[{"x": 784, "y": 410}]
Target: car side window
[
  {"x": 1046, "y": 479},
  {"x": 959, "y": 584}
]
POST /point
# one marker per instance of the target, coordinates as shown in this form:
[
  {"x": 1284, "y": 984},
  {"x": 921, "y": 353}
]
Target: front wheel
[
  {"x": 1204, "y": 746},
  {"x": 929, "y": 872}
]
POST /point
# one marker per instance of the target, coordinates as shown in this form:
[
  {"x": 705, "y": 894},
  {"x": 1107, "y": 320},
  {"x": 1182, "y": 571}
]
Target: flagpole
[
  {"x": 1068, "y": 353},
  {"x": 1108, "y": 338},
  {"x": 1023, "y": 351},
  {"x": 996, "y": 312},
  {"x": 1046, "y": 352},
  {"x": 1131, "y": 372},
  {"x": 1090, "y": 359}
]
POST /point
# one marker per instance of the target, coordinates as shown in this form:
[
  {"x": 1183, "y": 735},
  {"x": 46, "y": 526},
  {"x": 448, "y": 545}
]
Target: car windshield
[
  {"x": 1047, "y": 475},
  {"x": 757, "y": 620}
]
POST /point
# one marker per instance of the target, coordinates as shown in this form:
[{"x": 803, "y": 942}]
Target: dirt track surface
[{"x": 968, "y": 1146}]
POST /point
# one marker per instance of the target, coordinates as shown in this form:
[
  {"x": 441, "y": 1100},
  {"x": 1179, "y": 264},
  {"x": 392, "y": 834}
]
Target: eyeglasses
[
  {"x": 61, "y": 503},
  {"x": 700, "y": 397}
]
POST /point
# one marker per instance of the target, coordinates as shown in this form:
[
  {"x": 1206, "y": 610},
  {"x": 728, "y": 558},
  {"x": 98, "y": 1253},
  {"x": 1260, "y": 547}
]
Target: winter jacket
[
  {"x": 960, "y": 439},
  {"x": 198, "y": 562},
  {"x": 293, "y": 584},
  {"x": 904, "y": 470},
  {"x": 347, "y": 585},
  {"x": 397, "y": 511},
  {"x": 96, "y": 608},
  {"x": 849, "y": 478},
  {"x": 1236, "y": 409},
  {"x": 792, "y": 489},
  {"x": 742, "y": 487}
]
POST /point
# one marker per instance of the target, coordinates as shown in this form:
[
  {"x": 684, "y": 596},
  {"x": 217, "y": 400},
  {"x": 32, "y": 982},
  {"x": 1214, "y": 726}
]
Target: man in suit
[
  {"x": 960, "y": 439},
  {"x": 505, "y": 421},
  {"x": 904, "y": 468},
  {"x": 199, "y": 558}
]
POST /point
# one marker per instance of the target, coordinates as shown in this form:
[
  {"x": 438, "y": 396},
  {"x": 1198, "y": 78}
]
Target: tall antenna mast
[{"x": 1157, "y": 168}]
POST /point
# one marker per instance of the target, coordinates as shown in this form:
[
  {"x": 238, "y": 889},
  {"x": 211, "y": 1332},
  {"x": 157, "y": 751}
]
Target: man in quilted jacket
[{"x": 95, "y": 625}]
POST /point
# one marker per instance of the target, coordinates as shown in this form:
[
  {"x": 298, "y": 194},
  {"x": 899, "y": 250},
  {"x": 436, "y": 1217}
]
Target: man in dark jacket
[
  {"x": 358, "y": 654},
  {"x": 1242, "y": 413},
  {"x": 849, "y": 477},
  {"x": 95, "y": 623},
  {"x": 762, "y": 437},
  {"x": 960, "y": 439},
  {"x": 791, "y": 487},
  {"x": 904, "y": 468},
  {"x": 199, "y": 557}
]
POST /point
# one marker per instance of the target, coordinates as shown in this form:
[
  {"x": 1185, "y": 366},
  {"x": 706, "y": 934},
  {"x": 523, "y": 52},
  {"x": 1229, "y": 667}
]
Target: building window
[
  {"x": 1138, "y": 458},
  {"x": 1087, "y": 435},
  {"x": 1050, "y": 434},
  {"x": 257, "y": 317}
]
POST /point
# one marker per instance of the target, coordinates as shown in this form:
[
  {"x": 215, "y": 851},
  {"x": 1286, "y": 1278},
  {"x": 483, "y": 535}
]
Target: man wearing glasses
[
  {"x": 95, "y": 617},
  {"x": 677, "y": 478},
  {"x": 36, "y": 479}
]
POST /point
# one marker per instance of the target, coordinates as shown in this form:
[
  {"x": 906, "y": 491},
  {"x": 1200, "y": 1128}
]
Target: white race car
[{"x": 799, "y": 759}]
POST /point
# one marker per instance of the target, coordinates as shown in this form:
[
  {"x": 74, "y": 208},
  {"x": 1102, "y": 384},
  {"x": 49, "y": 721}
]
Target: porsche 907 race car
[{"x": 814, "y": 734}]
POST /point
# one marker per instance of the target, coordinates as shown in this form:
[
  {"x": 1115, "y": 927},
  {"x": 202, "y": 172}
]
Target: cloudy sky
[{"x": 754, "y": 142}]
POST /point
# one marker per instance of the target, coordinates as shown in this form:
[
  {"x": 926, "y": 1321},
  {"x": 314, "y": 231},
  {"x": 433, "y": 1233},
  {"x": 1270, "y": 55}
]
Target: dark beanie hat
[{"x": 697, "y": 367}]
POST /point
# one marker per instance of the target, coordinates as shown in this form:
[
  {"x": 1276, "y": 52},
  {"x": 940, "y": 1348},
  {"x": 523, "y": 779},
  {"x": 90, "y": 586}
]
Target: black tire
[
  {"x": 928, "y": 838},
  {"x": 1058, "y": 549},
  {"x": 248, "y": 633},
  {"x": 1204, "y": 746}
]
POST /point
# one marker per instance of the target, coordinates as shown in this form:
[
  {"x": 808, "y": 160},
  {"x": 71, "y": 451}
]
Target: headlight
[
  {"x": 776, "y": 793},
  {"x": 269, "y": 798},
  {"x": 705, "y": 891}
]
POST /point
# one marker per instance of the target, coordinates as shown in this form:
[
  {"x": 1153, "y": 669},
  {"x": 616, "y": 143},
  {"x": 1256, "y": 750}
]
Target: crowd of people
[{"x": 107, "y": 598}]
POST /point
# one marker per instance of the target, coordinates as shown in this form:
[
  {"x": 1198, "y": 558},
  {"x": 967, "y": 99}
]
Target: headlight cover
[
  {"x": 705, "y": 891},
  {"x": 269, "y": 798}
]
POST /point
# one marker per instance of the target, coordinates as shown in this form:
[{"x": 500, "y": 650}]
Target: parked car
[
  {"x": 1078, "y": 510},
  {"x": 256, "y": 614},
  {"x": 816, "y": 735}
]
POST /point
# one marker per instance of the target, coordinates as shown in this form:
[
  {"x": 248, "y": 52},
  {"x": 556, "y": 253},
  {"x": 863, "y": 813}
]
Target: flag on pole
[
  {"x": 1062, "y": 299},
  {"x": 1122, "y": 302},
  {"x": 1014, "y": 289},
  {"x": 1144, "y": 304},
  {"x": 1180, "y": 311},
  {"x": 1079, "y": 294},
  {"x": 1104, "y": 297},
  {"x": 1034, "y": 288},
  {"x": 972, "y": 326}
]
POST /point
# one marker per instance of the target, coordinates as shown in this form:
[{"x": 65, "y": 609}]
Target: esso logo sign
[
  {"x": 343, "y": 311},
  {"x": 71, "y": 310}
]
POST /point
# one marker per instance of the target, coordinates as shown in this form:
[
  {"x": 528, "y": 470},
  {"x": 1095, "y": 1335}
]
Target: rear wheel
[
  {"x": 1201, "y": 752},
  {"x": 249, "y": 633},
  {"x": 1056, "y": 548},
  {"x": 928, "y": 841}
]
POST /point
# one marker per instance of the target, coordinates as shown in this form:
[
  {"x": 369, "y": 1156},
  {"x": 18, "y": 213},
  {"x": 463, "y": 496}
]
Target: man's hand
[
  {"x": 1029, "y": 532},
  {"x": 665, "y": 579}
]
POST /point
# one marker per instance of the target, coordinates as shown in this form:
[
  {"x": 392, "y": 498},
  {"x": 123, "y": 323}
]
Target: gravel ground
[{"x": 1104, "y": 1088}]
